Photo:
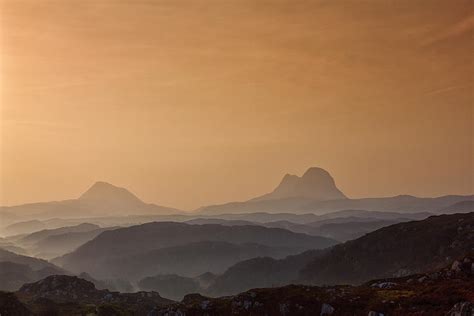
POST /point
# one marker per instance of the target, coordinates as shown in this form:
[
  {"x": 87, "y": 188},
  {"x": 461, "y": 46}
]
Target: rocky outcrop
[{"x": 65, "y": 288}]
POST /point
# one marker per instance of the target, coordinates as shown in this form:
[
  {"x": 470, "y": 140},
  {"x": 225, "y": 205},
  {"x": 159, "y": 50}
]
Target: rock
[
  {"x": 456, "y": 266},
  {"x": 372, "y": 313},
  {"x": 384, "y": 285},
  {"x": 205, "y": 304},
  {"x": 462, "y": 309},
  {"x": 247, "y": 304},
  {"x": 326, "y": 309},
  {"x": 284, "y": 309}
]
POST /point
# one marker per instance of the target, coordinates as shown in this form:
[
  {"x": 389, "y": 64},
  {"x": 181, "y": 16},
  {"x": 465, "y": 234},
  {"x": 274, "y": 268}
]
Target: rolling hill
[
  {"x": 397, "y": 250},
  {"x": 15, "y": 270},
  {"x": 109, "y": 246}
]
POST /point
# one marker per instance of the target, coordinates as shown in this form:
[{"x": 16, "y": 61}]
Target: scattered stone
[
  {"x": 384, "y": 285},
  {"x": 456, "y": 266},
  {"x": 462, "y": 309},
  {"x": 326, "y": 309},
  {"x": 204, "y": 304},
  {"x": 284, "y": 309}
]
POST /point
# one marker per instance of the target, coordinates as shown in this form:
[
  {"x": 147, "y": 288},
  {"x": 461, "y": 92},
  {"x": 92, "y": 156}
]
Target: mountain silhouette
[
  {"x": 100, "y": 200},
  {"x": 316, "y": 184},
  {"x": 107, "y": 193},
  {"x": 316, "y": 192}
]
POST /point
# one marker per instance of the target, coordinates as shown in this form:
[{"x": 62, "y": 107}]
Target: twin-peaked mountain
[
  {"x": 315, "y": 184},
  {"x": 316, "y": 192}
]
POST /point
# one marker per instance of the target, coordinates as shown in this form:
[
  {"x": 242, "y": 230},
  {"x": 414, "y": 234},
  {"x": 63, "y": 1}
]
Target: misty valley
[
  {"x": 303, "y": 249},
  {"x": 236, "y": 158}
]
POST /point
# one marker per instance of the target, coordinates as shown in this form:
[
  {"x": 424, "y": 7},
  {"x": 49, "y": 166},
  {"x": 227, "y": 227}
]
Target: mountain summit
[
  {"x": 106, "y": 192},
  {"x": 316, "y": 184}
]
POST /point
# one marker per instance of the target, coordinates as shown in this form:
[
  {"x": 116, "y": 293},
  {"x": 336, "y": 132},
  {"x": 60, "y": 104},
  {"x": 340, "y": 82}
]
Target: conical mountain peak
[{"x": 106, "y": 192}]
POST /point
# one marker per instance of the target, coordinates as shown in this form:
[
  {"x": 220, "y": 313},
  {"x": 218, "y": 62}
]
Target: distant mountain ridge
[{"x": 314, "y": 192}]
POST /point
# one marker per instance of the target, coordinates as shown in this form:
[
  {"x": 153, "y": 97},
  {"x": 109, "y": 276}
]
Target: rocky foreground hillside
[
  {"x": 449, "y": 291},
  {"x": 70, "y": 295}
]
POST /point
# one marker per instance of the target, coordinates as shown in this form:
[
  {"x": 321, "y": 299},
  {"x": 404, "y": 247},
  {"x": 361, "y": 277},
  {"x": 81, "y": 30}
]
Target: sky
[{"x": 196, "y": 102}]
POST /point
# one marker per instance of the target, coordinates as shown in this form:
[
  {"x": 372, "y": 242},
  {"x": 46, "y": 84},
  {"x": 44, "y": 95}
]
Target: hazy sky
[{"x": 192, "y": 102}]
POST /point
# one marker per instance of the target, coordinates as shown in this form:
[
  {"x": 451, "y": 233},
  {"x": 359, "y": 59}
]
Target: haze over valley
[
  {"x": 296, "y": 234},
  {"x": 237, "y": 157}
]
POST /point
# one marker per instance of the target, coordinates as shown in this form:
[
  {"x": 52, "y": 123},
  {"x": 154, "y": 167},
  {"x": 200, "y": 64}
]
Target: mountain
[
  {"x": 460, "y": 207},
  {"x": 316, "y": 192},
  {"x": 260, "y": 272},
  {"x": 36, "y": 237},
  {"x": 101, "y": 199},
  {"x": 25, "y": 227},
  {"x": 341, "y": 229},
  {"x": 315, "y": 184},
  {"x": 396, "y": 250},
  {"x": 107, "y": 252},
  {"x": 50, "y": 243},
  {"x": 263, "y": 217},
  {"x": 309, "y": 218},
  {"x": 103, "y": 192},
  {"x": 219, "y": 221},
  {"x": 352, "y": 230},
  {"x": 445, "y": 292},
  {"x": 424, "y": 244},
  {"x": 58, "y": 245},
  {"x": 10, "y": 246},
  {"x": 15, "y": 270},
  {"x": 33, "y": 263},
  {"x": 364, "y": 215},
  {"x": 401, "y": 204},
  {"x": 188, "y": 260}
]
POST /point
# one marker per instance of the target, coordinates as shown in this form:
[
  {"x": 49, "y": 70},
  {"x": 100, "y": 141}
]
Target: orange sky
[{"x": 193, "y": 102}]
